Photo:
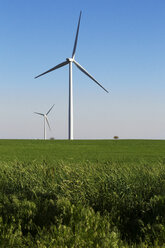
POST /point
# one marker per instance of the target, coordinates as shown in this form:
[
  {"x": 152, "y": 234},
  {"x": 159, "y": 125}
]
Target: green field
[
  {"x": 102, "y": 193},
  {"x": 79, "y": 151}
]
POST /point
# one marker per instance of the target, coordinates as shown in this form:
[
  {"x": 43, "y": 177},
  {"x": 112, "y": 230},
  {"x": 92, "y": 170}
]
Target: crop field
[
  {"x": 80, "y": 151},
  {"x": 87, "y": 193}
]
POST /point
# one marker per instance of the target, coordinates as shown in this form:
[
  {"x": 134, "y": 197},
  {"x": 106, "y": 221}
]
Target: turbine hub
[{"x": 70, "y": 59}]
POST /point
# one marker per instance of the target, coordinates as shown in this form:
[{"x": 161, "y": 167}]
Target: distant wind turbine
[
  {"x": 45, "y": 120},
  {"x": 70, "y": 61}
]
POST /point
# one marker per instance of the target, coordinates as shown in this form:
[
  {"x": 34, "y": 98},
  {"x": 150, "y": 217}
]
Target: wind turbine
[
  {"x": 70, "y": 61},
  {"x": 45, "y": 120}
]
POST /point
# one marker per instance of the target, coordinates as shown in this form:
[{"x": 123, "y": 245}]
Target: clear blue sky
[{"x": 121, "y": 43}]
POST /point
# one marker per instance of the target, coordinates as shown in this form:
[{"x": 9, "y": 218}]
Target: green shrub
[{"x": 82, "y": 204}]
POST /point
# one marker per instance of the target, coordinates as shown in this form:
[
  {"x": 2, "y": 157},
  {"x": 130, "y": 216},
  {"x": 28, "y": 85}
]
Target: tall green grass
[{"x": 82, "y": 204}]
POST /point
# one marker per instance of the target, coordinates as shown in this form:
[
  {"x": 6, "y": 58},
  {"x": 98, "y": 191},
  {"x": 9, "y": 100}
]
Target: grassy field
[
  {"x": 104, "y": 193},
  {"x": 79, "y": 151}
]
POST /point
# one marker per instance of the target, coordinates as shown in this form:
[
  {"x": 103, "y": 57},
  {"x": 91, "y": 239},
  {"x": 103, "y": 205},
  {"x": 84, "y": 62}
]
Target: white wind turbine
[
  {"x": 45, "y": 120},
  {"x": 70, "y": 61}
]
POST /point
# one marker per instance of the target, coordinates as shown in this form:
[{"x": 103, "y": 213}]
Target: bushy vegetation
[{"x": 82, "y": 204}]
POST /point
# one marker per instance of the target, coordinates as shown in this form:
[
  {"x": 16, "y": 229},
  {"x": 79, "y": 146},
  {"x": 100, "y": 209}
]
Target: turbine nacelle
[{"x": 70, "y": 59}]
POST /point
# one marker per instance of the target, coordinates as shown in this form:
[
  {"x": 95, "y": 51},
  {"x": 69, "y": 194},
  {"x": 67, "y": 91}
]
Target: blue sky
[{"x": 121, "y": 43}]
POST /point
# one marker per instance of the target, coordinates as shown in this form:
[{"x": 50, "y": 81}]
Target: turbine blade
[
  {"x": 85, "y": 71},
  {"x": 39, "y": 113},
  {"x": 54, "y": 68},
  {"x": 75, "y": 43},
  {"x": 48, "y": 122},
  {"x": 49, "y": 110}
]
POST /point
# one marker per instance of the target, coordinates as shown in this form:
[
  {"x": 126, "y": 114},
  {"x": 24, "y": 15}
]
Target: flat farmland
[
  {"x": 82, "y": 150},
  {"x": 82, "y": 193}
]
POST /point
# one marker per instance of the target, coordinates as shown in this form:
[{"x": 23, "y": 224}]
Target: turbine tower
[
  {"x": 70, "y": 61},
  {"x": 45, "y": 120}
]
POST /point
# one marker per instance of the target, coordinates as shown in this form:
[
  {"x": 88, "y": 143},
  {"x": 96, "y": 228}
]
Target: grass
[
  {"x": 103, "y": 193},
  {"x": 83, "y": 150}
]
